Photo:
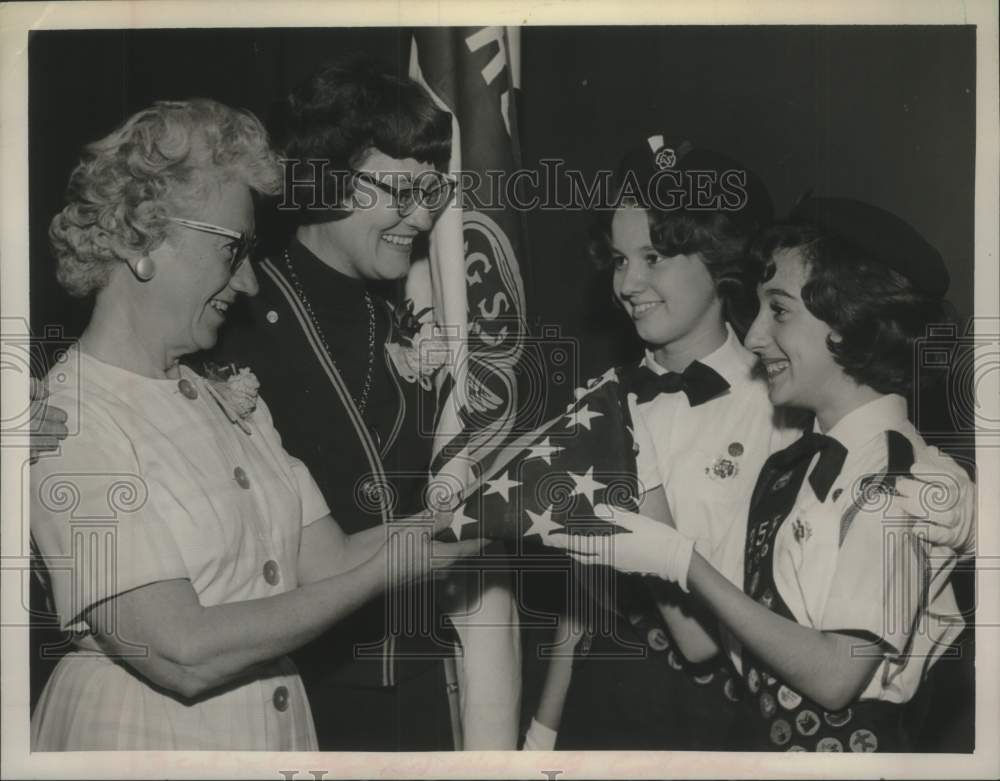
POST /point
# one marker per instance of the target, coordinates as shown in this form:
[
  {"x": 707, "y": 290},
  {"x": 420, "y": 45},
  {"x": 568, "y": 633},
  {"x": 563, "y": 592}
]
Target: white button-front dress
[{"x": 157, "y": 481}]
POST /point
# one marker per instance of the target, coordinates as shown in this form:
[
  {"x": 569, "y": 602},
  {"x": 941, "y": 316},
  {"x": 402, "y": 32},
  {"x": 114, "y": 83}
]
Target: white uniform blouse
[
  {"x": 882, "y": 580},
  {"x": 156, "y": 482},
  {"x": 707, "y": 457}
]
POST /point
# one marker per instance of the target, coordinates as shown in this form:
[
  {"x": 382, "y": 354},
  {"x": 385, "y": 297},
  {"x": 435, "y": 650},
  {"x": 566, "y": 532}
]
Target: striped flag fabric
[
  {"x": 556, "y": 474},
  {"x": 477, "y": 296}
]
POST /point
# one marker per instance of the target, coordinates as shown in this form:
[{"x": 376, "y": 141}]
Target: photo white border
[{"x": 19, "y": 18}]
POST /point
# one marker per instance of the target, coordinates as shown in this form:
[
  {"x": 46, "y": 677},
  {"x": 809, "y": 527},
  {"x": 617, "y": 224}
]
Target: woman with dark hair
[
  {"x": 842, "y": 607},
  {"x": 365, "y": 150},
  {"x": 188, "y": 552}
]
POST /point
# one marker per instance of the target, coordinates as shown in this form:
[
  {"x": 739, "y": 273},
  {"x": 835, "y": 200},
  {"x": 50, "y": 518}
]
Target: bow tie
[
  {"x": 827, "y": 469},
  {"x": 699, "y": 382}
]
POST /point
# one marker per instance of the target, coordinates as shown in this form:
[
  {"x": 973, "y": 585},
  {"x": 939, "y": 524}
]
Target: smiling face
[
  {"x": 791, "y": 344},
  {"x": 672, "y": 301},
  {"x": 374, "y": 242},
  {"x": 193, "y": 289}
]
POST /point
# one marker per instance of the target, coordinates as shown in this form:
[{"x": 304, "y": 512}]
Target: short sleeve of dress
[
  {"x": 101, "y": 527},
  {"x": 879, "y": 582},
  {"x": 314, "y": 506}
]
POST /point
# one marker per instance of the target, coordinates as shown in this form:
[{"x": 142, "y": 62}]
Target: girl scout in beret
[
  {"x": 843, "y": 602},
  {"x": 677, "y": 271}
]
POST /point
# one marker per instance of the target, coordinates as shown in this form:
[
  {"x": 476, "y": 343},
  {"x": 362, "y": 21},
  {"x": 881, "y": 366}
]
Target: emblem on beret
[{"x": 665, "y": 158}]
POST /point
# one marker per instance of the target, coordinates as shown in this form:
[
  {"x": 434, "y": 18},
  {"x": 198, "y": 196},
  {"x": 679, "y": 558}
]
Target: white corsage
[{"x": 235, "y": 389}]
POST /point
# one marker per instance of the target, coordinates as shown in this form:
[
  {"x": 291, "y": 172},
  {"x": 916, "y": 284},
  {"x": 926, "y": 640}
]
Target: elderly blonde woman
[{"x": 188, "y": 551}]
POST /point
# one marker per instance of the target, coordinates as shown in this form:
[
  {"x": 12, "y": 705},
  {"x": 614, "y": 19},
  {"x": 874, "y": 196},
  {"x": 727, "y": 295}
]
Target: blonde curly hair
[{"x": 126, "y": 184}]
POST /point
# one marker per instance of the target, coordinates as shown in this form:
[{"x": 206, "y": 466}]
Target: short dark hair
[
  {"x": 720, "y": 240},
  {"x": 349, "y": 107},
  {"x": 877, "y": 312}
]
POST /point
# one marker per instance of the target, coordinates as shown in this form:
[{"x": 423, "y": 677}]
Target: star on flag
[
  {"x": 544, "y": 451},
  {"x": 541, "y": 523},
  {"x": 596, "y": 463},
  {"x": 501, "y": 485},
  {"x": 586, "y": 485},
  {"x": 582, "y": 417}
]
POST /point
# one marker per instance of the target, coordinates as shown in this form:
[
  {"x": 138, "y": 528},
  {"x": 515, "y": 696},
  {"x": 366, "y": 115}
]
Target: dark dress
[{"x": 374, "y": 681}]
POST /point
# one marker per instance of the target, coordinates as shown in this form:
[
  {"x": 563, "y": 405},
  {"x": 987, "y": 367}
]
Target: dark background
[{"x": 883, "y": 114}]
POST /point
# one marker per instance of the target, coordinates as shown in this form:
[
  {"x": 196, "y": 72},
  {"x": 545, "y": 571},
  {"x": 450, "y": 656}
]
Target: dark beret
[
  {"x": 882, "y": 236},
  {"x": 687, "y": 178}
]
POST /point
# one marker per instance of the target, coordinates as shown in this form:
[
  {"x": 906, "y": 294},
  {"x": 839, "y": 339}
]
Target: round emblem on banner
[
  {"x": 789, "y": 700},
  {"x": 838, "y": 718},
  {"x": 807, "y": 723},
  {"x": 829, "y": 744},
  {"x": 863, "y": 741},
  {"x": 781, "y": 732},
  {"x": 657, "y": 639},
  {"x": 767, "y": 705},
  {"x": 496, "y": 297}
]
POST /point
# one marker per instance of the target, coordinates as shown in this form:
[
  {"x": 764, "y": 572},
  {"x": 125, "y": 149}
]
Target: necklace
[{"x": 362, "y": 401}]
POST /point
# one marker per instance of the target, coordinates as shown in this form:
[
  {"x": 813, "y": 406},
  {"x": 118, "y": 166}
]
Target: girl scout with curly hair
[{"x": 840, "y": 606}]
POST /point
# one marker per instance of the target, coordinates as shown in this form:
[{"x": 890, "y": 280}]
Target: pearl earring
[{"x": 144, "y": 268}]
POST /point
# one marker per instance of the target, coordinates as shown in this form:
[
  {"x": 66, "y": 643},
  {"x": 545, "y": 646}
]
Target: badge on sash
[{"x": 863, "y": 741}]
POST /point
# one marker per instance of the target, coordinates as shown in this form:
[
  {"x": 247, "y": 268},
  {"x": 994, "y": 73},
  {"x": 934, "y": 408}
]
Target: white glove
[
  {"x": 646, "y": 547},
  {"x": 942, "y": 496}
]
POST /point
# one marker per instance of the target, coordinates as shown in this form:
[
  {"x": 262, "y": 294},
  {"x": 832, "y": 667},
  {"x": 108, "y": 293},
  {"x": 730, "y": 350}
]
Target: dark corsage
[{"x": 415, "y": 350}]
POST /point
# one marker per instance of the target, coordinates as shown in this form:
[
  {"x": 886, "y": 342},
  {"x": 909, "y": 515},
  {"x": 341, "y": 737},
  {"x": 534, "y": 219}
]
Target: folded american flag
[{"x": 558, "y": 472}]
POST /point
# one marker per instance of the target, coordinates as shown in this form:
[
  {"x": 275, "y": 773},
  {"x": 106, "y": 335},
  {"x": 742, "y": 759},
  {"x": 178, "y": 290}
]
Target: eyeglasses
[
  {"x": 433, "y": 198},
  {"x": 240, "y": 247}
]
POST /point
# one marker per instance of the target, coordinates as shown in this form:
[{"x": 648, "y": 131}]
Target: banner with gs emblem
[{"x": 473, "y": 73}]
